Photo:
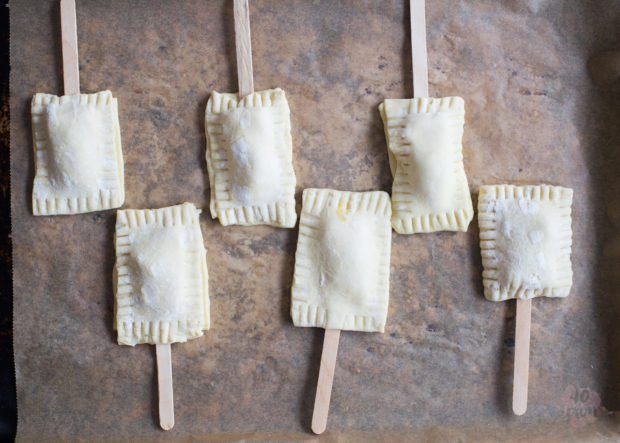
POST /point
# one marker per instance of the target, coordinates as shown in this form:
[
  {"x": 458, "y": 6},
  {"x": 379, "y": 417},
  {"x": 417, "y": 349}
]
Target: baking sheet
[{"x": 443, "y": 368}]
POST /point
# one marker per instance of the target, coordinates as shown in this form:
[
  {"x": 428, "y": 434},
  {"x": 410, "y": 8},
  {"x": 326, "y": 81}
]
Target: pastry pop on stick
[
  {"x": 161, "y": 286},
  {"x": 430, "y": 191},
  {"x": 525, "y": 242},
  {"x": 77, "y": 141},
  {"x": 249, "y": 146},
  {"x": 342, "y": 272}
]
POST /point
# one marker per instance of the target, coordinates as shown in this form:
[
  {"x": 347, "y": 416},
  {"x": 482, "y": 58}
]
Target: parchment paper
[{"x": 443, "y": 368}]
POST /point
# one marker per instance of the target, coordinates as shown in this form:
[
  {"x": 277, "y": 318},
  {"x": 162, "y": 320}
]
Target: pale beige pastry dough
[
  {"x": 160, "y": 276},
  {"x": 430, "y": 191},
  {"x": 342, "y": 263},
  {"x": 525, "y": 241},
  {"x": 249, "y": 159},
  {"x": 77, "y": 152}
]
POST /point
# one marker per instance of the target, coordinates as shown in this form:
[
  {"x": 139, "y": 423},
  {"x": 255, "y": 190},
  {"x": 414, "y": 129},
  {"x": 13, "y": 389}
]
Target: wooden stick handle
[
  {"x": 243, "y": 43},
  {"x": 419, "y": 57},
  {"x": 164, "y": 383},
  {"x": 70, "y": 67},
  {"x": 522, "y": 356},
  {"x": 326, "y": 380}
]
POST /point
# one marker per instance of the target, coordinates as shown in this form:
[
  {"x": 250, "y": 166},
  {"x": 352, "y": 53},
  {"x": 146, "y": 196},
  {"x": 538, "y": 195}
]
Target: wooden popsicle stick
[
  {"x": 326, "y": 380},
  {"x": 164, "y": 384},
  {"x": 243, "y": 43},
  {"x": 70, "y": 67},
  {"x": 418, "y": 48},
  {"x": 522, "y": 356}
]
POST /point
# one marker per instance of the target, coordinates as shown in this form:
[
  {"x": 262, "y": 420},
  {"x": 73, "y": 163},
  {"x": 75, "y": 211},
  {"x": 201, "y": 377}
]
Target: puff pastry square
[
  {"x": 160, "y": 281},
  {"x": 77, "y": 152},
  {"x": 342, "y": 263},
  {"x": 525, "y": 241},
  {"x": 430, "y": 191},
  {"x": 249, "y": 159}
]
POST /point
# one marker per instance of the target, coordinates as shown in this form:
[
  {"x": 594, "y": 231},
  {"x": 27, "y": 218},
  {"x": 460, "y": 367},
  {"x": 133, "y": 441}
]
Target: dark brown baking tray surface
[{"x": 443, "y": 368}]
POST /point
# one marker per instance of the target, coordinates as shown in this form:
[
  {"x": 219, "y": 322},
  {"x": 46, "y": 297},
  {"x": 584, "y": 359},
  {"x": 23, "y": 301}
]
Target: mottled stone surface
[{"x": 443, "y": 368}]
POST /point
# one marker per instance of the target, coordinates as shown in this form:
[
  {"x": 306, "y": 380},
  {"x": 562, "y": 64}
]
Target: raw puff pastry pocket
[
  {"x": 430, "y": 191},
  {"x": 342, "y": 263},
  {"x": 77, "y": 152},
  {"x": 249, "y": 159},
  {"x": 525, "y": 241},
  {"x": 160, "y": 276}
]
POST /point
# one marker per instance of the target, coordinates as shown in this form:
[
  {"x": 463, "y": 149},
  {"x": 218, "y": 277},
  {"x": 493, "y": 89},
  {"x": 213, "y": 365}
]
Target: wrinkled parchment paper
[{"x": 443, "y": 368}]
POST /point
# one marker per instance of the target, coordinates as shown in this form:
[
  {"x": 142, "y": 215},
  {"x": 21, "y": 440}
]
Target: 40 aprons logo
[{"x": 582, "y": 406}]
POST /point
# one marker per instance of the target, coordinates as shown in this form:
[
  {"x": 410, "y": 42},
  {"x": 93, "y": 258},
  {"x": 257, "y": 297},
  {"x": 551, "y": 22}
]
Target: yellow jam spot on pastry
[{"x": 341, "y": 211}]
